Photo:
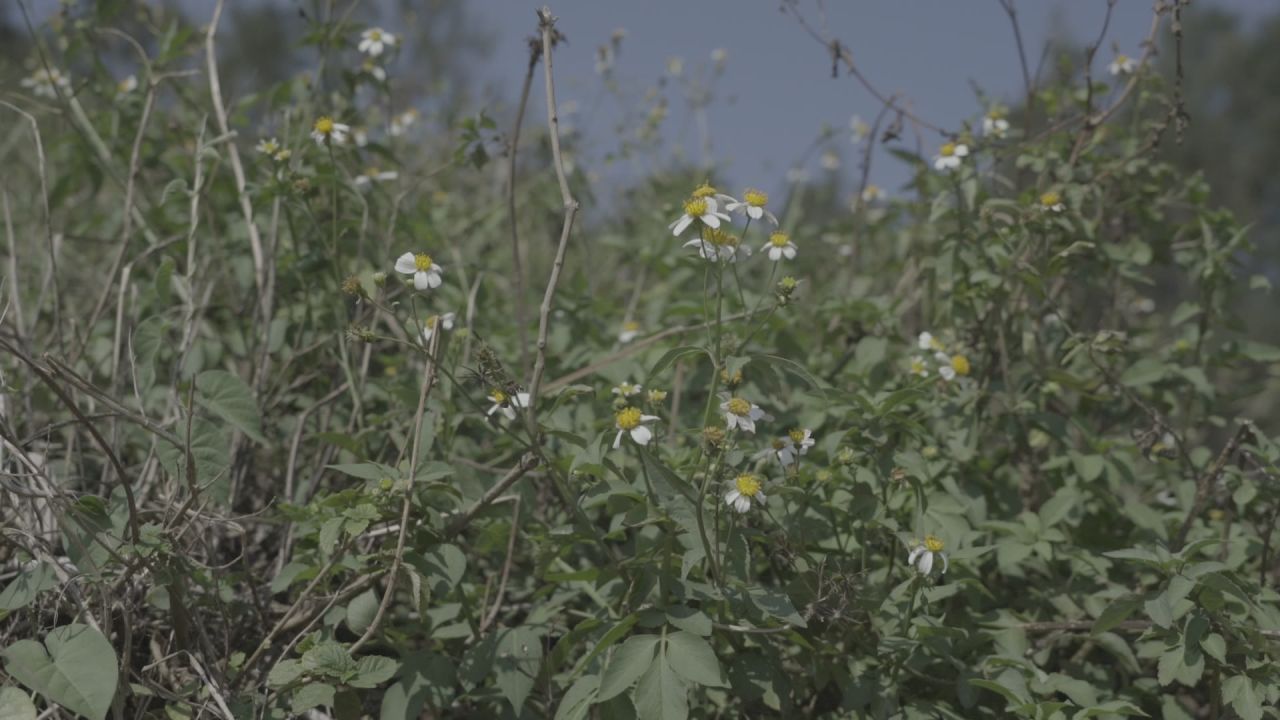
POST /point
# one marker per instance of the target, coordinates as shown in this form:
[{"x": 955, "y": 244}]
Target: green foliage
[{"x": 962, "y": 454}]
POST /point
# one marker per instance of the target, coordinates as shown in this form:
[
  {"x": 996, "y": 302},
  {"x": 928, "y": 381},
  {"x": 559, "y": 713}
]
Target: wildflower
[
  {"x": 425, "y": 271},
  {"x": 718, "y": 244},
  {"x": 872, "y": 193},
  {"x": 127, "y": 85},
  {"x": 401, "y": 123},
  {"x": 923, "y": 555},
  {"x": 746, "y": 487},
  {"x": 1122, "y": 65},
  {"x": 830, "y": 161},
  {"x": 994, "y": 124},
  {"x": 507, "y": 403},
  {"x": 351, "y": 286},
  {"x": 626, "y": 390},
  {"x": 950, "y": 366},
  {"x": 374, "y": 70},
  {"x": 268, "y": 147},
  {"x": 927, "y": 341},
  {"x": 918, "y": 367},
  {"x": 707, "y": 190},
  {"x": 740, "y": 413},
  {"x": 656, "y": 397},
  {"x": 702, "y": 209},
  {"x": 675, "y": 66},
  {"x": 430, "y": 324},
  {"x": 752, "y": 203},
  {"x": 47, "y": 83},
  {"x": 798, "y": 443},
  {"x": 949, "y": 156},
  {"x": 373, "y": 174},
  {"x": 374, "y": 40},
  {"x": 326, "y": 131},
  {"x": 779, "y": 247},
  {"x": 630, "y": 331},
  {"x": 1052, "y": 202},
  {"x": 719, "y": 56},
  {"x": 712, "y": 437},
  {"x": 629, "y": 420},
  {"x": 860, "y": 129}
]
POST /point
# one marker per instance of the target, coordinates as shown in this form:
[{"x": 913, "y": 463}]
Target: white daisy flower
[
  {"x": 752, "y": 205},
  {"x": 268, "y": 147},
  {"x": 374, "y": 70},
  {"x": 630, "y": 421},
  {"x": 1122, "y": 65},
  {"x": 860, "y": 128},
  {"x": 779, "y": 247},
  {"x": 872, "y": 193},
  {"x": 740, "y": 413},
  {"x": 994, "y": 125},
  {"x": 924, "y": 555},
  {"x": 326, "y": 131},
  {"x": 927, "y": 341},
  {"x": 719, "y": 245},
  {"x": 507, "y": 404},
  {"x": 426, "y": 273},
  {"x": 798, "y": 442},
  {"x": 429, "y": 325},
  {"x": 746, "y": 488},
  {"x": 47, "y": 83},
  {"x": 944, "y": 366},
  {"x": 127, "y": 85},
  {"x": 918, "y": 367},
  {"x": 372, "y": 175},
  {"x": 830, "y": 161},
  {"x": 1052, "y": 202},
  {"x": 630, "y": 331},
  {"x": 401, "y": 123},
  {"x": 375, "y": 40},
  {"x": 704, "y": 210},
  {"x": 949, "y": 156},
  {"x": 626, "y": 390}
]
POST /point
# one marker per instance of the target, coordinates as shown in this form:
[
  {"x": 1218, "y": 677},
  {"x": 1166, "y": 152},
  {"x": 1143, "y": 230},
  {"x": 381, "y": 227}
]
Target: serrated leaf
[
  {"x": 312, "y": 695},
  {"x": 626, "y": 666},
  {"x": 230, "y": 398},
  {"x": 694, "y": 660},
  {"x": 1239, "y": 691},
  {"x": 75, "y": 667},
  {"x": 285, "y": 672},
  {"x": 372, "y": 671},
  {"x": 361, "y": 610}
]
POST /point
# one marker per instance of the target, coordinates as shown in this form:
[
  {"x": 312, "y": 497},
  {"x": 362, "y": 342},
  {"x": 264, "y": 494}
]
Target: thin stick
[
  {"x": 535, "y": 50},
  {"x": 546, "y": 24},
  {"x": 492, "y": 615},
  {"x": 527, "y": 463}
]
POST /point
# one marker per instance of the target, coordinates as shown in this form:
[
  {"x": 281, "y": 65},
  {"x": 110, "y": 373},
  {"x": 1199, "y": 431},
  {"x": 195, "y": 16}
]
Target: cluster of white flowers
[
  {"x": 950, "y": 156},
  {"x": 374, "y": 42},
  {"x": 47, "y": 83},
  {"x": 708, "y": 210},
  {"x": 948, "y": 366},
  {"x": 994, "y": 124}
]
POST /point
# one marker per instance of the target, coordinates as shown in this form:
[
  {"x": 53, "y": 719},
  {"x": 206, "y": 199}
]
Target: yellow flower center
[
  {"x": 431, "y": 322},
  {"x": 324, "y": 125},
  {"x": 697, "y": 207},
  {"x": 797, "y": 436},
  {"x": 631, "y": 326},
  {"x": 499, "y": 397},
  {"x": 1050, "y": 199},
  {"x": 626, "y": 388},
  {"x": 779, "y": 443},
  {"x": 933, "y": 543},
  {"x": 755, "y": 198},
  {"x": 1122, "y": 59},
  {"x": 720, "y": 238},
  {"x": 705, "y": 190},
  {"x": 917, "y": 366},
  {"x": 779, "y": 239},
  {"x": 996, "y": 115},
  {"x": 422, "y": 262},
  {"x": 657, "y": 396},
  {"x": 739, "y": 407},
  {"x": 947, "y": 150},
  {"x": 628, "y": 418},
  {"x": 747, "y": 484},
  {"x": 960, "y": 364},
  {"x": 375, "y": 35}
]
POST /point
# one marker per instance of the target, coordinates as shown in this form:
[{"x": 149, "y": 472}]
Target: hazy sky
[{"x": 777, "y": 92}]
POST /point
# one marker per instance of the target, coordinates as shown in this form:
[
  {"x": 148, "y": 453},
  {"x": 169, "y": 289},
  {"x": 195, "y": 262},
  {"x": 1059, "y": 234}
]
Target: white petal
[
  {"x": 433, "y": 278},
  {"x": 732, "y": 496},
  {"x": 945, "y": 564},
  {"x": 747, "y": 424},
  {"x": 926, "y": 563},
  {"x": 642, "y": 434},
  {"x": 772, "y": 218},
  {"x": 649, "y": 418},
  {"x": 760, "y": 498},
  {"x": 755, "y": 213},
  {"x": 617, "y": 440},
  {"x": 422, "y": 280},
  {"x": 405, "y": 264},
  {"x": 680, "y": 225},
  {"x": 711, "y": 220},
  {"x": 911, "y": 559},
  {"x": 743, "y": 504}
]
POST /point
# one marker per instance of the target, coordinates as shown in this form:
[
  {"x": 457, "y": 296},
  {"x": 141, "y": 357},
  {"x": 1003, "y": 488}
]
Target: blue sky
[{"x": 776, "y": 92}]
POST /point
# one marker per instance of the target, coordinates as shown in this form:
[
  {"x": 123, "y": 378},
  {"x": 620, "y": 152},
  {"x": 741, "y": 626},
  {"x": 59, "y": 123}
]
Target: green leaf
[
  {"x": 312, "y": 695},
  {"x": 1215, "y": 646},
  {"x": 285, "y": 672},
  {"x": 672, "y": 355},
  {"x": 366, "y": 470},
  {"x": 777, "y": 604},
  {"x": 32, "y": 581},
  {"x": 424, "y": 677},
  {"x": 75, "y": 667},
  {"x": 626, "y": 666},
  {"x": 516, "y": 664},
  {"x": 693, "y": 659},
  {"x": 1116, "y": 613},
  {"x": 329, "y": 658},
  {"x": 660, "y": 695},
  {"x": 1240, "y": 692},
  {"x": 230, "y": 398},
  {"x": 360, "y": 611},
  {"x": 373, "y": 670},
  {"x": 16, "y": 705},
  {"x": 576, "y": 701}
]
